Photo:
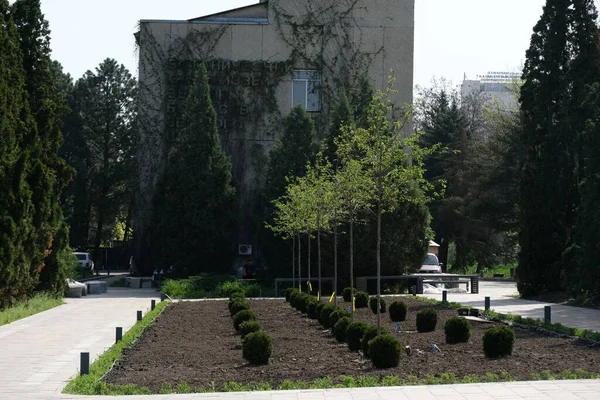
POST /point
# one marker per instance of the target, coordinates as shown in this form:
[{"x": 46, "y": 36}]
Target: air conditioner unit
[{"x": 245, "y": 249}]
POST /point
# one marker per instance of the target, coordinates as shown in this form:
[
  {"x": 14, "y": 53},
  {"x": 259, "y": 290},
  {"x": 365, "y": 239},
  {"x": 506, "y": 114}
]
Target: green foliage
[
  {"x": 225, "y": 289},
  {"x": 326, "y": 310},
  {"x": 335, "y": 316},
  {"x": 301, "y": 302},
  {"x": 347, "y": 294},
  {"x": 311, "y": 308},
  {"x": 320, "y": 306},
  {"x": 238, "y": 305},
  {"x": 398, "y": 311},
  {"x": 354, "y": 334},
  {"x": 288, "y": 292},
  {"x": 340, "y": 328},
  {"x": 242, "y": 316},
  {"x": 361, "y": 300},
  {"x": 181, "y": 289},
  {"x": 458, "y": 330},
  {"x": 373, "y": 305},
  {"x": 341, "y": 116},
  {"x": 257, "y": 348},
  {"x": 370, "y": 333},
  {"x": 293, "y": 296},
  {"x": 498, "y": 341},
  {"x": 385, "y": 351},
  {"x": 426, "y": 320},
  {"x": 248, "y": 327},
  {"x": 196, "y": 201}
]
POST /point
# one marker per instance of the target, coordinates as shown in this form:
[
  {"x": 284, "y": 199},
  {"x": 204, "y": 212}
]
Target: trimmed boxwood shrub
[
  {"x": 287, "y": 292},
  {"x": 249, "y": 326},
  {"x": 354, "y": 334},
  {"x": 398, "y": 311},
  {"x": 238, "y": 306},
  {"x": 370, "y": 333},
  {"x": 340, "y": 327},
  {"x": 361, "y": 300},
  {"x": 293, "y": 297},
  {"x": 311, "y": 308},
  {"x": 498, "y": 341},
  {"x": 373, "y": 304},
  {"x": 320, "y": 306},
  {"x": 458, "y": 330},
  {"x": 336, "y": 315},
  {"x": 301, "y": 302},
  {"x": 257, "y": 348},
  {"x": 426, "y": 320},
  {"x": 347, "y": 294},
  {"x": 327, "y": 309},
  {"x": 385, "y": 351},
  {"x": 243, "y": 315}
]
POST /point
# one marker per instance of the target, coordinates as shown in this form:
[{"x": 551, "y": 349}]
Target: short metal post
[
  {"x": 152, "y": 305},
  {"x": 487, "y": 303},
  {"x": 162, "y": 297},
  {"x": 548, "y": 314},
  {"x": 118, "y": 334},
  {"x": 139, "y": 315},
  {"x": 84, "y": 364},
  {"x": 444, "y": 296}
]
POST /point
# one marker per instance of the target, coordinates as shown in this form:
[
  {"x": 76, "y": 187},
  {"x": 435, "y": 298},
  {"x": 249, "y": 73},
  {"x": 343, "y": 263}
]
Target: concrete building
[
  {"x": 262, "y": 60},
  {"x": 496, "y": 87}
]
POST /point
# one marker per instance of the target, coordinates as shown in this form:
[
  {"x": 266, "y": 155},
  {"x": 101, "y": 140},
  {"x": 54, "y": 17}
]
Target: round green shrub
[
  {"x": 373, "y": 304},
  {"x": 311, "y": 308},
  {"x": 243, "y": 315},
  {"x": 498, "y": 341},
  {"x": 301, "y": 302},
  {"x": 257, "y": 348},
  {"x": 340, "y": 327},
  {"x": 354, "y": 334},
  {"x": 237, "y": 294},
  {"x": 335, "y": 316},
  {"x": 385, "y": 351},
  {"x": 320, "y": 306},
  {"x": 327, "y": 309},
  {"x": 238, "y": 306},
  {"x": 287, "y": 292},
  {"x": 370, "y": 333},
  {"x": 361, "y": 300},
  {"x": 426, "y": 320},
  {"x": 293, "y": 296},
  {"x": 458, "y": 330},
  {"x": 248, "y": 327},
  {"x": 347, "y": 294},
  {"x": 398, "y": 311}
]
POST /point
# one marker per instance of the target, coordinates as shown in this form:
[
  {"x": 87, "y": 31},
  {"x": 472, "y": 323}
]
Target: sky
[{"x": 452, "y": 37}]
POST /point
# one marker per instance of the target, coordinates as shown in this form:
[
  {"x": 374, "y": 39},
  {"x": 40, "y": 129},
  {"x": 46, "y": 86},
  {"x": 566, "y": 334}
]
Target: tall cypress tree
[
  {"x": 341, "y": 115},
  {"x": 49, "y": 172},
  {"x": 15, "y": 196},
  {"x": 196, "y": 203},
  {"x": 561, "y": 61}
]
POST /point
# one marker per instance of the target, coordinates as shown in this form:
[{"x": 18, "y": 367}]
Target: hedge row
[{"x": 256, "y": 343}]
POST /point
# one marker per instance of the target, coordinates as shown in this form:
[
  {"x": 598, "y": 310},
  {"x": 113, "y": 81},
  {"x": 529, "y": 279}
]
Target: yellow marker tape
[
  {"x": 332, "y": 296},
  {"x": 319, "y": 296},
  {"x": 309, "y": 286},
  {"x": 353, "y": 304}
]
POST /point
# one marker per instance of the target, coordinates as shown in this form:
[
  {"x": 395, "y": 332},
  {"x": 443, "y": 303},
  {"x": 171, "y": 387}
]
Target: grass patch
[
  {"x": 341, "y": 382},
  {"x": 36, "y": 304},
  {"x": 119, "y": 283},
  {"x": 207, "y": 286},
  {"x": 93, "y": 384}
]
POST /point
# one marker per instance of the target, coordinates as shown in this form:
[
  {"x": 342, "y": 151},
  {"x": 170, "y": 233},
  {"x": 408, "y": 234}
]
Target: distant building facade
[
  {"x": 262, "y": 60},
  {"x": 496, "y": 87}
]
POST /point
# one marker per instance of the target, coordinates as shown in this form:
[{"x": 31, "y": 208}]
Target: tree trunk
[
  {"x": 299, "y": 263},
  {"x": 335, "y": 262},
  {"x": 378, "y": 269},
  {"x": 319, "y": 258},
  {"x": 293, "y": 261},
  {"x": 308, "y": 261},
  {"x": 352, "y": 264}
]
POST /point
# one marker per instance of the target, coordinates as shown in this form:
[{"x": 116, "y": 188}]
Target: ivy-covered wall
[{"x": 250, "y": 56}]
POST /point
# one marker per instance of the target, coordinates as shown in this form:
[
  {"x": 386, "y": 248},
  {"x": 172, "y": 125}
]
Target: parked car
[
  {"x": 431, "y": 265},
  {"x": 85, "y": 261}
]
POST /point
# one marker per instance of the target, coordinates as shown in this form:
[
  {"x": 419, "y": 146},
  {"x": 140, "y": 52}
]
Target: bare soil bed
[{"x": 195, "y": 342}]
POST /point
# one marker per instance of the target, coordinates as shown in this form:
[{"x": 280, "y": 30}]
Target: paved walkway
[
  {"x": 502, "y": 299},
  {"x": 39, "y": 354}
]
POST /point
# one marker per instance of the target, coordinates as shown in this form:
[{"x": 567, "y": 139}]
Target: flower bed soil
[{"x": 195, "y": 342}]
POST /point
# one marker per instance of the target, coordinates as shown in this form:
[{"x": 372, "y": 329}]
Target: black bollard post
[
  {"x": 162, "y": 297},
  {"x": 487, "y": 303},
  {"x": 548, "y": 314},
  {"x": 413, "y": 290},
  {"x": 152, "y": 305},
  {"x": 139, "y": 315},
  {"x": 444, "y": 296},
  {"x": 84, "y": 364},
  {"x": 118, "y": 334}
]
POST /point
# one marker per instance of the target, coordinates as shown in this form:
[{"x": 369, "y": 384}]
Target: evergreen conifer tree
[
  {"x": 196, "y": 203},
  {"x": 341, "y": 116}
]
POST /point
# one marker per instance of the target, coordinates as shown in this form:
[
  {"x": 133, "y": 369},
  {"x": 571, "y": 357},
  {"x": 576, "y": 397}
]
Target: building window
[{"x": 306, "y": 90}]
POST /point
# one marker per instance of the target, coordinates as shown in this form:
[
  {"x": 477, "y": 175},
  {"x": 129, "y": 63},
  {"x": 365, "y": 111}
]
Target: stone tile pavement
[{"x": 39, "y": 354}]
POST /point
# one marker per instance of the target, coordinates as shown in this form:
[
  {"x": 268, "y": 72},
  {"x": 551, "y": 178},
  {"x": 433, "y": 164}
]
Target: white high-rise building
[{"x": 497, "y": 88}]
